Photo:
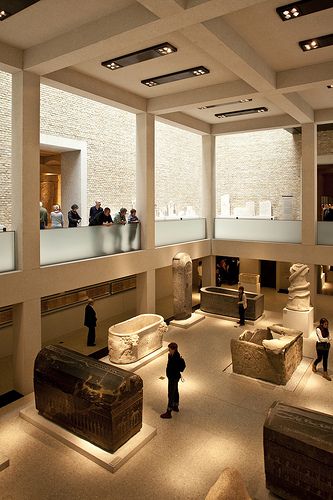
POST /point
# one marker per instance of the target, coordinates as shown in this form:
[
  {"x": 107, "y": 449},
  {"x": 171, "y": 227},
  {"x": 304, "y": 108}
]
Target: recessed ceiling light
[
  {"x": 9, "y": 7},
  {"x": 173, "y": 77},
  {"x": 330, "y": 86},
  {"x": 240, "y": 112},
  {"x": 316, "y": 43},
  {"x": 209, "y": 106},
  {"x": 302, "y": 8},
  {"x": 163, "y": 49}
]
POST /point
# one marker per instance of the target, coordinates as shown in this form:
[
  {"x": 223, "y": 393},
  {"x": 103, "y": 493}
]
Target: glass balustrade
[
  {"x": 325, "y": 233},
  {"x": 279, "y": 231},
  {"x": 7, "y": 251},
  {"x": 70, "y": 244},
  {"x": 168, "y": 232}
]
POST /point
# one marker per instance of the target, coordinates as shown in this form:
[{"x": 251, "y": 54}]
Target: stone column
[
  {"x": 309, "y": 196},
  {"x": 145, "y": 205},
  {"x": 208, "y": 183},
  {"x": 209, "y": 271},
  {"x": 26, "y": 193}
]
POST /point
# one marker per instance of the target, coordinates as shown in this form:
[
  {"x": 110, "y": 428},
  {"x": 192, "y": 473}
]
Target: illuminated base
[
  {"x": 230, "y": 318},
  {"x": 186, "y": 323},
  {"x": 110, "y": 461},
  {"x": 4, "y": 462},
  {"x": 299, "y": 320},
  {"x": 132, "y": 367}
]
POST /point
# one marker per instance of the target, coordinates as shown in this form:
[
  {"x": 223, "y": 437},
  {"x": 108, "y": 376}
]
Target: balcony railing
[
  {"x": 171, "y": 231},
  {"x": 7, "y": 251},
  {"x": 70, "y": 244},
  {"x": 279, "y": 231},
  {"x": 325, "y": 233}
]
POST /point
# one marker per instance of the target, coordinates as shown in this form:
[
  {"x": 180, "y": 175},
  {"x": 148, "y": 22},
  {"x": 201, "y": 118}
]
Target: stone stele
[
  {"x": 95, "y": 401},
  {"x": 299, "y": 293},
  {"x": 135, "y": 338},
  {"x": 182, "y": 285}
]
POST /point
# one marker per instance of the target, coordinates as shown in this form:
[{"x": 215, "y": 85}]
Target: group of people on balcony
[
  {"x": 327, "y": 212},
  {"x": 97, "y": 216}
]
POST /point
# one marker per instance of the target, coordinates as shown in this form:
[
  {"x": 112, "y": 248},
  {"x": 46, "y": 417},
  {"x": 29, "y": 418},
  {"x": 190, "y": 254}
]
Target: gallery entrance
[
  {"x": 50, "y": 179},
  {"x": 268, "y": 273}
]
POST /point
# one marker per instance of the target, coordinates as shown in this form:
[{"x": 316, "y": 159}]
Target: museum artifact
[
  {"x": 182, "y": 285},
  {"x": 299, "y": 293},
  {"x": 270, "y": 354},
  {"x": 135, "y": 338},
  {"x": 228, "y": 486},
  {"x": 224, "y": 301},
  {"x": 298, "y": 452},
  {"x": 95, "y": 401},
  {"x": 250, "y": 282}
]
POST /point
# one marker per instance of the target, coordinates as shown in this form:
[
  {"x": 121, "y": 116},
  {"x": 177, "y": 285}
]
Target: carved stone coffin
[
  {"x": 224, "y": 301},
  {"x": 298, "y": 450},
  {"x": 95, "y": 401}
]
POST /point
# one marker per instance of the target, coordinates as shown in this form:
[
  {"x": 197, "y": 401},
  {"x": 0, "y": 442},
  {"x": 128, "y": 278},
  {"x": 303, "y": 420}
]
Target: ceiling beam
[
  {"x": 186, "y": 122},
  {"x": 11, "y": 58},
  {"x": 324, "y": 115},
  {"x": 297, "y": 79},
  {"x": 251, "y": 125},
  {"x": 294, "y": 105},
  {"x": 132, "y": 25},
  {"x": 84, "y": 85},
  {"x": 220, "y": 94}
]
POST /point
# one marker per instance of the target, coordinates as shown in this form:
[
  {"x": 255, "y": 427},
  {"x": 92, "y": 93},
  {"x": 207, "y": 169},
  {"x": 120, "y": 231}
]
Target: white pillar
[
  {"x": 145, "y": 205},
  {"x": 309, "y": 196},
  {"x": 26, "y": 194},
  {"x": 209, "y": 271},
  {"x": 208, "y": 183}
]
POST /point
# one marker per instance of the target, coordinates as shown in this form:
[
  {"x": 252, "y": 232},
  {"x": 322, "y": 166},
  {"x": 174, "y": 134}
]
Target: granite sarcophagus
[{"x": 95, "y": 401}]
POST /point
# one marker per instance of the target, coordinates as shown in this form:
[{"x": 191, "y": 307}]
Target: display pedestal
[
  {"x": 110, "y": 461},
  {"x": 186, "y": 323},
  {"x": 299, "y": 320},
  {"x": 4, "y": 462}
]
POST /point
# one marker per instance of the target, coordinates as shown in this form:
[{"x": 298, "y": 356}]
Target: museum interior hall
[{"x": 179, "y": 154}]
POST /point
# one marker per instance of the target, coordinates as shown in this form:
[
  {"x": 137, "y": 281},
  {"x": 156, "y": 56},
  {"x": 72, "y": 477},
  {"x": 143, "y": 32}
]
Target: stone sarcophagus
[
  {"x": 95, "y": 401},
  {"x": 135, "y": 338},
  {"x": 298, "y": 451},
  {"x": 224, "y": 301}
]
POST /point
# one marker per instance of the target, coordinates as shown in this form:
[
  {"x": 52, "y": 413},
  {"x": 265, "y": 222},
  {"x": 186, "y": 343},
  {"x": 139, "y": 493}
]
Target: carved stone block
[
  {"x": 224, "y": 301},
  {"x": 182, "y": 285},
  {"x": 95, "y": 401}
]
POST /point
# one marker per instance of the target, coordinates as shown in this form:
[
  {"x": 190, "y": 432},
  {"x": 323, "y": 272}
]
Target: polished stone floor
[{"x": 219, "y": 424}]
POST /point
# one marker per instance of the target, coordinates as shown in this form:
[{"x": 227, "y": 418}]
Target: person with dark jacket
[
  {"x": 102, "y": 218},
  {"x": 322, "y": 347},
  {"x": 96, "y": 209},
  {"x": 73, "y": 217},
  {"x": 175, "y": 366},
  {"x": 90, "y": 321}
]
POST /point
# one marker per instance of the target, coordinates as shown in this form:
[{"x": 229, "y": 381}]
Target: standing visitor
[
  {"x": 322, "y": 347},
  {"x": 57, "y": 219},
  {"x": 133, "y": 218},
  {"x": 90, "y": 321},
  {"x": 73, "y": 217},
  {"x": 120, "y": 217},
  {"x": 95, "y": 210},
  {"x": 43, "y": 217},
  {"x": 242, "y": 305},
  {"x": 175, "y": 366},
  {"x": 102, "y": 218}
]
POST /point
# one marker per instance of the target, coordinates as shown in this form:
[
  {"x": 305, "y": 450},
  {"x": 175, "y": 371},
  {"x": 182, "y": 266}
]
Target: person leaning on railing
[
  {"x": 120, "y": 217},
  {"x": 102, "y": 218}
]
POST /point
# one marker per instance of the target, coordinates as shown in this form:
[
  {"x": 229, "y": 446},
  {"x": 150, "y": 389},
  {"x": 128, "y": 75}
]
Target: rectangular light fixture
[
  {"x": 209, "y": 106},
  {"x": 316, "y": 43},
  {"x": 330, "y": 86},
  {"x": 241, "y": 112},
  {"x": 10, "y": 7},
  {"x": 174, "y": 77},
  {"x": 302, "y": 8},
  {"x": 163, "y": 49}
]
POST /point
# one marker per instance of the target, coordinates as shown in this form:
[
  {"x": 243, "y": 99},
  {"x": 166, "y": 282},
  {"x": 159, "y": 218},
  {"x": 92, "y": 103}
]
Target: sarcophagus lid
[{"x": 96, "y": 401}]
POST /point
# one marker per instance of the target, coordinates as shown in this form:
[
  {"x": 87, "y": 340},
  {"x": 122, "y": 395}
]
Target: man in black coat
[
  {"x": 90, "y": 321},
  {"x": 176, "y": 364}
]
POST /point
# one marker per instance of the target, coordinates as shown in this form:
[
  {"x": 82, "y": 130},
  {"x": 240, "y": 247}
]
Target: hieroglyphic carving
[{"x": 182, "y": 285}]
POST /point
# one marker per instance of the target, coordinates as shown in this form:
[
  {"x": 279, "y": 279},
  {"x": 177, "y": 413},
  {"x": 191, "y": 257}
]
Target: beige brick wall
[
  {"x": 178, "y": 168},
  {"x": 259, "y": 166},
  {"x": 5, "y": 149}
]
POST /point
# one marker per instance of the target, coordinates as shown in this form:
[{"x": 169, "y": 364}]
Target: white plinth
[
  {"x": 132, "y": 367},
  {"x": 300, "y": 320},
  {"x": 110, "y": 461},
  {"x": 4, "y": 462},
  {"x": 186, "y": 323}
]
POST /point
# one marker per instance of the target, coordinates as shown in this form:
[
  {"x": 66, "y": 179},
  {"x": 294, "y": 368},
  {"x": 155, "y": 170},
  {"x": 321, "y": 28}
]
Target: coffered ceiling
[{"x": 249, "y": 51}]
